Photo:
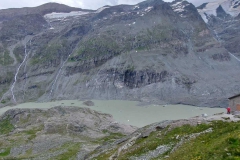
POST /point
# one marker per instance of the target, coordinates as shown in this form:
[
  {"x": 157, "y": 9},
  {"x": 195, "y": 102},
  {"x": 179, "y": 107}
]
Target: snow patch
[
  {"x": 60, "y": 15},
  {"x": 136, "y": 7},
  {"x": 231, "y": 7},
  {"x": 119, "y": 85},
  {"x": 148, "y": 9},
  {"x": 179, "y": 7},
  {"x": 101, "y": 9}
]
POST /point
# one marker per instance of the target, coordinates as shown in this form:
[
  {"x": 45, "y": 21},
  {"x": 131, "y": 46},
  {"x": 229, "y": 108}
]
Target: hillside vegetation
[
  {"x": 80, "y": 133},
  {"x": 58, "y": 133},
  {"x": 217, "y": 140}
]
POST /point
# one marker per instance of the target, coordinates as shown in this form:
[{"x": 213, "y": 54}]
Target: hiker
[{"x": 228, "y": 110}]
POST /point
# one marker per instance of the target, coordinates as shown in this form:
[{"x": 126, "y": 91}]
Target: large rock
[{"x": 88, "y": 103}]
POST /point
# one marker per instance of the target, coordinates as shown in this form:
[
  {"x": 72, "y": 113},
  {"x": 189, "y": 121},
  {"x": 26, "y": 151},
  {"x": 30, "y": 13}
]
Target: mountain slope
[
  {"x": 6, "y": 14},
  {"x": 57, "y": 133},
  {"x": 222, "y": 18},
  {"x": 64, "y": 132},
  {"x": 230, "y": 7},
  {"x": 153, "y": 52},
  {"x": 182, "y": 139}
]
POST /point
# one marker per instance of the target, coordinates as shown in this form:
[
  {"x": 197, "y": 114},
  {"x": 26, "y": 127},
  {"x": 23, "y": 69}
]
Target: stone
[
  {"x": 236, "y": 113},
  {"x": 88, "y": 103},
  {"x": 146, "y": 133},
  {"x": 236, "y": 116},
  {"x": 205, "y": 115}
]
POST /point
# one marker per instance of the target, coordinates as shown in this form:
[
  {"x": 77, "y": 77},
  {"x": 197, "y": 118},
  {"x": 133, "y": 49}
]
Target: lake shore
[{"x": 129, "y": 112}]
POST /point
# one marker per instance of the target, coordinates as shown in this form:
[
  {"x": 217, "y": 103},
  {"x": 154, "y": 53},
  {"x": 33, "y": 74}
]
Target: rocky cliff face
[
  {"x": 222, "y": 17},
  {"x": 153, "y": 51}
]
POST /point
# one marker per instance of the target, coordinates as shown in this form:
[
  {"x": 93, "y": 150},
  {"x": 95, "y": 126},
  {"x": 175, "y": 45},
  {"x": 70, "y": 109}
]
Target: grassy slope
[
  {"x": 5, "y": 58},
  {"x": 68, "y": 150},
  {"x": 5, "y": 126},
  {"x": 221, "y": 144}
]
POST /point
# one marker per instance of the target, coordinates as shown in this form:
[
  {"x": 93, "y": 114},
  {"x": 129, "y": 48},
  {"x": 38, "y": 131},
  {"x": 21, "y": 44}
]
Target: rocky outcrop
[
  {"x": 51, "y": 133},
  {"x": 88, "y": 103},
  {"x": 224, "y": 24}
]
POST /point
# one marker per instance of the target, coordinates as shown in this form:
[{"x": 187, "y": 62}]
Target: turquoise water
[{"x": 128, "y": 112}]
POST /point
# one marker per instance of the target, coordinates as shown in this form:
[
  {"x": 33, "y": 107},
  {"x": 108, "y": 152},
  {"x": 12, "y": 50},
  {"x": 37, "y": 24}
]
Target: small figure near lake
[{"x": 228, "y": 110}]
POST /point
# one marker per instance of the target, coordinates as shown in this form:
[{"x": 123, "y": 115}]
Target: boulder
[
  {"x": 236, "y": 113},
  {"x": 88, "y": 103}
]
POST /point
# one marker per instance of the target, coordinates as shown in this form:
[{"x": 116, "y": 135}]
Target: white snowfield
[
  {"x": 231, "y": 7},
  {"x": 179, "y": 7},
  {"x": 61, "y": 15},
  {"x": 101, "y": 9}
]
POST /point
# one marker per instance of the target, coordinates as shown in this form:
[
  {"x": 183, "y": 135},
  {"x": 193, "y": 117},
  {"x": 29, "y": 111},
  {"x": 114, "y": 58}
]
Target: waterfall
[
  {"x": 98, "y": 78},
  {"x": 234, "y": 56},
  {"x": 114, "y": 74},
  {"x": 217, "y": 37},
  {"x": 18, "y": 69},
  {"x": 51, "y": 27},
  {"x": 56, "y": 78},
  {"x": 30, "y": 43}
]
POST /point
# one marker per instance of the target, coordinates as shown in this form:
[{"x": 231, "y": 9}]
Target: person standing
[{"x": 228, "y": 110}]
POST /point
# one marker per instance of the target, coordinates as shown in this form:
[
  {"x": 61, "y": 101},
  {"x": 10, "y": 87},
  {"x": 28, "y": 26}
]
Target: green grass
[
  {"x": 22, "y": 120},
  {"x": 28, "y": 155},
  {"x": 106, "y": 155},
  {"x": 96, "y": 46},
  {"x": 71, "y": 151},
  {"x": 6, "y": 80},
  {"x": 5, "y": 58},
  {"x": 3, "y": 101},
  {"x": 110, "y": 137},
  {"x": 221, "y": 144},
  {"x": 155, "y": 139},
  {"x": 32, "y": 133},
  {"x": 6, "y": 126},
  {"x": 5, "y": 153},
  {"x": 19, "y": 53},
  {"x": 51, "y": 52},
  {"x": 109, "y": 43}
]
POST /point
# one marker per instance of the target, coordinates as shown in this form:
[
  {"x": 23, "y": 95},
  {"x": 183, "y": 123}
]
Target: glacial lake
[{"x": 128, "y": 112}]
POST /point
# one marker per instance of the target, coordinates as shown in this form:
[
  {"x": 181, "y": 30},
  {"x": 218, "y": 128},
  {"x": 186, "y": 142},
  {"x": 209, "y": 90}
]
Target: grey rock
[
  {"x": 153, "y": 154},
  {"x": 237, "y": 116},
  {"x": 236, "y": 113},
  {"x": 88, "y": 103}
]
